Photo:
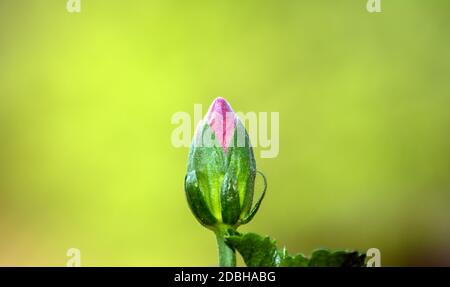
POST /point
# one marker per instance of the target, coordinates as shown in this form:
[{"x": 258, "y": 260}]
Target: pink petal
[{"x": 221, "y": 119}]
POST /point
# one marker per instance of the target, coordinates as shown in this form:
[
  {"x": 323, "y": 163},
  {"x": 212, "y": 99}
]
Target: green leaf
[
  {"x": 261, "y": 251},
  {"x": 256, "y": 250},
  {"x": 327, "y": 258},
  {"x": 298, "y": 260}
]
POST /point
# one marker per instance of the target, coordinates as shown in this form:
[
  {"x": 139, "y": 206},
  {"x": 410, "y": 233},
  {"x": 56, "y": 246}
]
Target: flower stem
[{"x": 227, "y": 256}]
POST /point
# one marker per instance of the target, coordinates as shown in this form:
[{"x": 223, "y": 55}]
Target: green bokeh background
[{"x": 86, "y": 101}]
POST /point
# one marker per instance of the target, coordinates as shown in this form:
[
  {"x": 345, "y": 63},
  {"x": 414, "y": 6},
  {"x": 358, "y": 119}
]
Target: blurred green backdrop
[{"x": 86, "y": 102}]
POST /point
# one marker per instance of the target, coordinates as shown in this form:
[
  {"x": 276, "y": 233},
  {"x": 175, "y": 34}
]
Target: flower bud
[{"x": 221, "y": 170}]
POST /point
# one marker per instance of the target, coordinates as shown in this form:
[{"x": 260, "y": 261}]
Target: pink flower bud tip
[{"x": 221, "y": 119}]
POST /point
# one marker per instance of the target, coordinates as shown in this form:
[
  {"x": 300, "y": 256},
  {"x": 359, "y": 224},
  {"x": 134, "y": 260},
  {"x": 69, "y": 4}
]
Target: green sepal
[
  {"x": 241, "y": 161},
  {"x": 237, "y": 188},
  {"x": 249, "y": 216},
  {"x": 229, "y": 199},
  {"x": 209, "y": 163},
  {"x": 196, "y": 200}
]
